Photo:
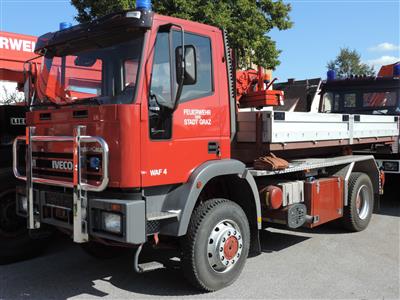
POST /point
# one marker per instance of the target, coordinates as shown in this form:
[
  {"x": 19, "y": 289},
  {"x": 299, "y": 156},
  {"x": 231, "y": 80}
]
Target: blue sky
[{"x": 321, "y": 27}]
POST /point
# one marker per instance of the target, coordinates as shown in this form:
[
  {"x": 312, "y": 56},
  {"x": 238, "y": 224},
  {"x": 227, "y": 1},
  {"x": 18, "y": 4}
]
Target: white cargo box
[{"x": 299, "y": 127}]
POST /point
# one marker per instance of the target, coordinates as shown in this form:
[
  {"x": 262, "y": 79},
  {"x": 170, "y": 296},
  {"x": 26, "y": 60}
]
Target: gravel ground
[{"x": 324, "y": 263}]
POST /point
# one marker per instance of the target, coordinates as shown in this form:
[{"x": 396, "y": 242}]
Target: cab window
[
  {"x": 204, "y": 84},
  {"x": 331, "y": 102},
  {"x": 350, "y": 100},
  {"x": 164, "y": 82},
  {"x": 379, "y": 99},
  {"x": 160, "y": 97}
]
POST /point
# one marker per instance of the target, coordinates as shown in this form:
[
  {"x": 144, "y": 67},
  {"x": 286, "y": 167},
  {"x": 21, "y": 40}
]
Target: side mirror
[
  {"x": 189, "y": 68},
  {"x": 85, "y": 61}
]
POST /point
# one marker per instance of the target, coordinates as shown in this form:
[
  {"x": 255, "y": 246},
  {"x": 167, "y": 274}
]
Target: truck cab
[{"x": 370, "y": 95}]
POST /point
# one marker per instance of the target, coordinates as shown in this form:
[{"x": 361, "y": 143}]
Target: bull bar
[{"x": 80, "y": 188}]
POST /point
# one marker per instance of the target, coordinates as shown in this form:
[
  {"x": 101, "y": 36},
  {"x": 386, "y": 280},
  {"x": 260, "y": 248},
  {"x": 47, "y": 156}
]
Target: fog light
[
  {"x": 112, "y": 222},
  {"x": 94, "y": 163},
  {"x": 23, "y": 203},
  {"x": 391, "y": 166}
]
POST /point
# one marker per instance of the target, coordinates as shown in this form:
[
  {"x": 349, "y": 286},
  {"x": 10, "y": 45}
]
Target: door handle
[{"x": 214, "y": 148}]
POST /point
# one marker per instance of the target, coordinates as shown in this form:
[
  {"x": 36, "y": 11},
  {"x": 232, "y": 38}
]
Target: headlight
[
  {"x": 112, "y": 222},
  {"x": 23, "y": 203}
]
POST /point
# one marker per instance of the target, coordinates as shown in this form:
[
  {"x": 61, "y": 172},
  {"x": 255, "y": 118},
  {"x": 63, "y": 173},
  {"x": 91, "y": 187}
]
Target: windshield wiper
[
  {"x": 41, "y": 103},
  {"x": 95, "y": 100}
]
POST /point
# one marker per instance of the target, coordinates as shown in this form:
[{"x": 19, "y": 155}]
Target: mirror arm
[
  {"x": 183, "y": 59},
  {"x": 182, "y": 79}
]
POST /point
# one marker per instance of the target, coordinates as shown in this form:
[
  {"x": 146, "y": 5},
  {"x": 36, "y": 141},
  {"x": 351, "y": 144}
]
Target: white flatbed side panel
[
  {"x": 302, "y": 127},
  {"x": 375, "y": 126}
]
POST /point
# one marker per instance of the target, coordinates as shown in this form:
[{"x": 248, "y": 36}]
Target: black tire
[
  {"x": 196, "y": 244},
  {"x": 357, "y": 214},
  {"x": 101, "y": 251},
  {"x": 15, "y": 242}
]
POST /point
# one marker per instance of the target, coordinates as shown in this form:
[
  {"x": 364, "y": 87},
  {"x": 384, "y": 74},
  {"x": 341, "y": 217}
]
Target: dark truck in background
[
  {"x": 15, "y": 240},
  {"x": 356, "y": 95},
  {"x": 361, "y": 95}
]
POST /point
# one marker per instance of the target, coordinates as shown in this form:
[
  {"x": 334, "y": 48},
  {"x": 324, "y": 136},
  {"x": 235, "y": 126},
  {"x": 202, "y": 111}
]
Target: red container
[{"x": 324, "y": 200}]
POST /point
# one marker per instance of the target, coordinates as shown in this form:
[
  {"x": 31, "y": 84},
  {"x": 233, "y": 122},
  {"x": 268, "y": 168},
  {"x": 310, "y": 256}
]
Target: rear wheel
[
  {"x": 358, "y": 212},
  {"x": 15, "y": 242},
  {"x": 216, "y": 246}
]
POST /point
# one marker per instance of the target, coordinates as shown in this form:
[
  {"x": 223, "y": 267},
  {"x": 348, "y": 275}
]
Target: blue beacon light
[
  {"x": 143, "y": 4},
  {"x": 65, "y": 25},
  {"x": 396, "y": 70},
  {"x": 331, "y": 75}
]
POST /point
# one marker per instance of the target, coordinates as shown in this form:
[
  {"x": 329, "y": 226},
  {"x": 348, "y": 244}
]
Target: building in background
[{"x": 15, "y": 50}]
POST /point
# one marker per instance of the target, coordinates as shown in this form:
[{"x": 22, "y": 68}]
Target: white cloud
[
  {"x": 383, "y": 60},
  {"x": 383, "y": 47}
]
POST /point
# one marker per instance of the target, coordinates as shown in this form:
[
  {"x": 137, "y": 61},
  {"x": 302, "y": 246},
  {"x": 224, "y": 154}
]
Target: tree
[
  {"x": 8, "y": 97},
  {"x": 348, "y": 63},
  {"x": 246, "y": 21}
]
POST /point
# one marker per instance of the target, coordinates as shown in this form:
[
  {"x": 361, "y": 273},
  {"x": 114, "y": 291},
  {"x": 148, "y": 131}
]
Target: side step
[
  {"x": 163, "y": 215},
  {"x": 155, "y": 260}
]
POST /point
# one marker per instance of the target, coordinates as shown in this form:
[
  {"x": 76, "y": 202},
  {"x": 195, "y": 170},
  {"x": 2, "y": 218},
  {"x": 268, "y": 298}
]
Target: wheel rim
[
  {"x": 10, "y": 224},
  {"x": 225, "y": 245},
  {"x": 363, "y": 202}
]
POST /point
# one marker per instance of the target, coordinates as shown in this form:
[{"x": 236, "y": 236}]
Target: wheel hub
[
  {"x": 225, "y": 245},
  {"x": 231, "y": 247},
  {"x": 362, "y": 202},
  {"x": 358, "y": 202}
]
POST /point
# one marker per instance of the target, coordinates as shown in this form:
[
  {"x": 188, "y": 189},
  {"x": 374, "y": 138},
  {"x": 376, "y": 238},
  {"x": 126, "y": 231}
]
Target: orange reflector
[
  {"x": 199, "y": 184},
  {"x": 27, "y": 135},
  {"x": 116, "y": 207}
]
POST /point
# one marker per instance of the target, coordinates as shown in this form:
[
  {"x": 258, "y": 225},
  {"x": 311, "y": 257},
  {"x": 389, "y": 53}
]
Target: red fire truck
[{"x": 156, "y": 147}]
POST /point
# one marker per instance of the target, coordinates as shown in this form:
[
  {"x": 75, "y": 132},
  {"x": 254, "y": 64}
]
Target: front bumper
[{"x": 55, "y": 207}]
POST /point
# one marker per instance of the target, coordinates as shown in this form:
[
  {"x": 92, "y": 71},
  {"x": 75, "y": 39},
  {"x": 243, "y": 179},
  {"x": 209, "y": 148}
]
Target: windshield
[
  {"x": 102, "y": 71},
  {"x": 369, "y": 101}
]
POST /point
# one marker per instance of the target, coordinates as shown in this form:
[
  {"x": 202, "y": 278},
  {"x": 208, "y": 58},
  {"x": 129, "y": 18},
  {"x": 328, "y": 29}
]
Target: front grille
[
  {"x": 59, "y": 166},
  {"x": 53, "y": 155},
  {"x": 58, "y": 199},
  {"x": 57, "y": 207}
]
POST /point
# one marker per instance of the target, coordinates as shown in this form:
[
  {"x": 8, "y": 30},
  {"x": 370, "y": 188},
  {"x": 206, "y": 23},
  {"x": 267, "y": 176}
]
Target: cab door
[{"x": 176, "y": 140}]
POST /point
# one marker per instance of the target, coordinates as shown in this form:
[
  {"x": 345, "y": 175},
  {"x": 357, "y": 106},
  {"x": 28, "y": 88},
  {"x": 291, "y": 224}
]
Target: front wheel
[
  {"x": 216, "y": 245},
  {"x": 15, "y": 242}
]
